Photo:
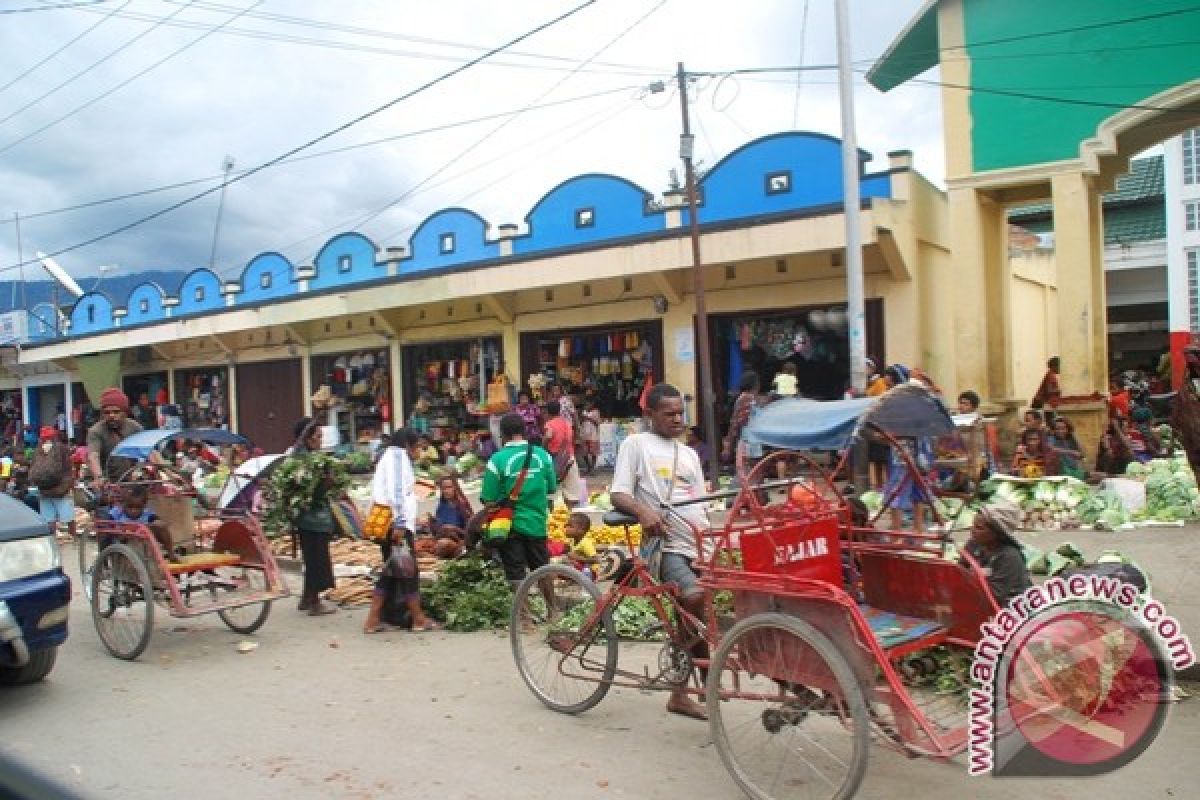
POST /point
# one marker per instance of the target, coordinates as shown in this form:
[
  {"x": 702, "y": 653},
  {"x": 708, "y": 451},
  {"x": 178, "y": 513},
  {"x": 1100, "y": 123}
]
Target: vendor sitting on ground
[
  {"x": 1033, "y": 457},
  {"x": 1064, "y": 444},
  {"x": 426, "y": 453},
  {"x": 452, "y": 512},
  {"x": 131, "y": 508},
  {"x": 996, "y": 550}
]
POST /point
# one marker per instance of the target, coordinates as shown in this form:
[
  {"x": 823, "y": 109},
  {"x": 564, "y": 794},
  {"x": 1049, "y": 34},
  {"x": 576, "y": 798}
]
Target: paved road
[{"x": 321, "y": 711}]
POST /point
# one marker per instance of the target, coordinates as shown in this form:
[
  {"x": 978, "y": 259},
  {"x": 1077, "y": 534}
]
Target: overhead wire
[
  {"x": 121, "y": 85},
  {"x": 315, "y": 140},
  {"x": 800, "y": 61},
  {"x": 606, "y": 68},
  {"x": 55, "y": 53},
  {"x": 90, "y": 67},
  {"x": 320, "y": 154},
  {"x": 56, "y": 7},
  {"x": 363, "y": 220}
]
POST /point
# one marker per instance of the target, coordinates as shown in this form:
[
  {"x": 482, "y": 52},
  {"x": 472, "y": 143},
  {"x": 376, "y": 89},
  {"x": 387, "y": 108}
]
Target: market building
[
  {"x": 1010, "y": 141},
  {"x": 593, "y": 288}
]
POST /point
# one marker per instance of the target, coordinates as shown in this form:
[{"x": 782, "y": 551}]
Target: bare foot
[{"x": 686, "y": 707}]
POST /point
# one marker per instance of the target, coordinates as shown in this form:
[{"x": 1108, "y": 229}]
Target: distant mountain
[{"x": 117, "y": 287}]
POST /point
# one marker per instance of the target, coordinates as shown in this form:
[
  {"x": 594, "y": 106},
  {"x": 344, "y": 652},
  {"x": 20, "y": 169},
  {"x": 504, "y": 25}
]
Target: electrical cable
[
  {"x": 800, "y": 61},
  {"x": 91, "y": 66},
  {"x": 57, "y": 52},
  {"x": 320, "y": 154},
  {"x": 60, "y": 6},
  {"x": 316, "y": 140},
  {"x": 603, "y": 68},
  {"x": 509, "y": 120},
  {"x": 113, "y": 90}
]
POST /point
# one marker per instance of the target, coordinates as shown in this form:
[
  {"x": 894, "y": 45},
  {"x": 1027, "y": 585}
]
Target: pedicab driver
[
  {"x": 105, "y": 435},
  {"x": 654, "y": 469}
]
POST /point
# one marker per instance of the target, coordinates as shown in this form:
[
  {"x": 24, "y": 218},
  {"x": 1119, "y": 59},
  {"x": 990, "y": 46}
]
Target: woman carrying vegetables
[{"x": 315, "y": 527}]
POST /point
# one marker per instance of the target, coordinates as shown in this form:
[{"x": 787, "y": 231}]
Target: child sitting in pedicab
[
  {"x": 582, "y": 554},
  {"x": 131, "y": 507}
]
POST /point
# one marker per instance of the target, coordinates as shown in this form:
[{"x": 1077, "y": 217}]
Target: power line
[
  {"x": 179, "y": 50},
  {"x": 509, "y": 120},
  {"x": 316, "y": 140},
  {"x": 800, "y": 61},
  {"x": 60, "y": 6},
  {"x": 57, "y": 52},
  {"x": 323, "y": 153},
  {"x": 606, "y": 68},
  {"x": 88, "y": 68}
]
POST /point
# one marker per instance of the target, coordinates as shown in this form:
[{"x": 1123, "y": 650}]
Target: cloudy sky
[{"x": 109, "y": 98}]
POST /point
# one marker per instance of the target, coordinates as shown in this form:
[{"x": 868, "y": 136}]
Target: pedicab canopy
[
  {"x": 799, "y": 424},
  {"x": 142, "y": 443}
]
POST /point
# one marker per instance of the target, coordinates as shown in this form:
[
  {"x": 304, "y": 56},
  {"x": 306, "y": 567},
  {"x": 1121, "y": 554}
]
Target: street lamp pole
[
  {"x": 851, "y": 204},
  {"x": 703, "y": 354},
  {"x": 227, "y": 166}
]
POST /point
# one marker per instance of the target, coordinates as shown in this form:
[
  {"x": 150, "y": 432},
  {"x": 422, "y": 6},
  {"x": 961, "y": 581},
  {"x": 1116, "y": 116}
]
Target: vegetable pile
[
  {"x": 1046, "y": 504},
  {"x": 1171, "y": 492},
  {"x": 470, "y": 594}
]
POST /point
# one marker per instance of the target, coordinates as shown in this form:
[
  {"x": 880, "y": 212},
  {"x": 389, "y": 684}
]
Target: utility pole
[
  {"x": 851, "y": 203},
  {"x": 20, "y": 262},
  {"x": 227, "y": 167},
  {"x": 705, "y": 393}
]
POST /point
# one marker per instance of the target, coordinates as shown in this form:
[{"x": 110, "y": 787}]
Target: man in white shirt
[{"x": 655, "y": 469}]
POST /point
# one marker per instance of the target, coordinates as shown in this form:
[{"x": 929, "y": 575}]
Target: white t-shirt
[
  {"x": 643, "y": 470},
  {"x": 785, "y": 385}
]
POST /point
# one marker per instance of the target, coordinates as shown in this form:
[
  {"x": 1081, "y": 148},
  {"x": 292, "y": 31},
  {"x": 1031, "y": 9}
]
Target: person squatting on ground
[
  {"x": 654, "y": 469},
  {"x": 995, "y": 547}
]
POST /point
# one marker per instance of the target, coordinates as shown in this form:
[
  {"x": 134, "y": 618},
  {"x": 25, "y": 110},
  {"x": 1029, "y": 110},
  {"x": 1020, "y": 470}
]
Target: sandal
[
  {"x": 429, "y": 626},
  {"x": 382, "y": 627}
]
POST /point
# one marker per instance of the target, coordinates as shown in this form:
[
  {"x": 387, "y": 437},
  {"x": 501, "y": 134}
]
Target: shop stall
[
  {"x": 608, "y": 365},
  {"x": 448, "y": 376},
  {"x": 146, "y": 392},
  {"x": 360, "y": 383},
  {"x": 202, "y": 396}
]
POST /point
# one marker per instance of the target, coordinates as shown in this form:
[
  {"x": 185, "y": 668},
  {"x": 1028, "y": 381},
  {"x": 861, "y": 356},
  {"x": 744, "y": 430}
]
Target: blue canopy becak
[
  {"x": 142, "y": 443},
  {"x": 799, "y": 424}
]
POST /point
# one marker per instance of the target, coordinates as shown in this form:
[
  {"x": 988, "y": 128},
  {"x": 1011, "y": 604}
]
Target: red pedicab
[
  {"x": 220, "y": 560},
  {"x": 807, "y": 618}
]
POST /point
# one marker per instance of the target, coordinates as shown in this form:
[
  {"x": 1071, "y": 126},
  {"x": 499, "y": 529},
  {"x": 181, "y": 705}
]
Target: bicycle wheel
[
  {"x": 566, "y": 662},
  {"x": 247, "y": 618},
  {"x": 785, "y": 711},
  {"x": 122, "y": 601},
  {"x": 85, "y": 541}
]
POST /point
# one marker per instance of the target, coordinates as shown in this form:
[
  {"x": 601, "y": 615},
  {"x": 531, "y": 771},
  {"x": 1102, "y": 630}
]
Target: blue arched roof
[
  {"x": 92, "y": 313},
  {"x": 588, "y": 208},
  {"x": 449, "y": 237},
  {"x": 346, "y": 258},
  {"x": 789, "y": 171},
  {"x": 209, "y": 299},
  {"x": 281, "y": 274},
  {"x": 145, "y": 304}
]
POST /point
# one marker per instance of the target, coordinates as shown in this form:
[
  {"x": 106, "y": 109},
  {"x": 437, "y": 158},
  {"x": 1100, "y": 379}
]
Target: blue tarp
[
  {"x": 797, "y": 424},
  {"x": 140, "y": 444}
]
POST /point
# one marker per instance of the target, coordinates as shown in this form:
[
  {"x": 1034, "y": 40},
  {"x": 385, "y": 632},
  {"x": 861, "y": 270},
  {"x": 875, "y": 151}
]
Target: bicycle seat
[{"x": 615, "y": 518}]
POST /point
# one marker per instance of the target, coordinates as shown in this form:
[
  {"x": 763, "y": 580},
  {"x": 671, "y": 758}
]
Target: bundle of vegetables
[
  {"x": 1048, "y": 504},
  {"x": 634, "y": 618},
  {"x": 1104, "y": 510},
  {"x": 945, "y": 670},
  {"x": 470, "y": 594},
  {"x": 468, "y": 464},
  {"x": 1171, "y": 492},
  {"x": 358, "y": 463},
  {"x": 292, "y": 486}
]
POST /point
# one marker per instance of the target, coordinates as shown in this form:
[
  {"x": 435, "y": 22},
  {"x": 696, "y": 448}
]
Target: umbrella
[
  {"x": 141, "y": 444},
  {"x": 238, "y": 492}
]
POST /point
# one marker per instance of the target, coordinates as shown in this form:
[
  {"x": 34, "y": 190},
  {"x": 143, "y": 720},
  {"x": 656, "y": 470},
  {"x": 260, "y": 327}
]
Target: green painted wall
[{"x": 1121, "y": 64}]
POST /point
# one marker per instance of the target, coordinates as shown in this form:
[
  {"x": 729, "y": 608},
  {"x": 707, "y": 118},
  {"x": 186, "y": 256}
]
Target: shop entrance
[
  {"x": 449, "y": 376},
  {"x": 812, "y": 338},
  {"x": 361, "y": 383},
  {"x": 607, "y": 364},
  {"x": 203, "y": 397},
  {"x": 145, "y": 392}
]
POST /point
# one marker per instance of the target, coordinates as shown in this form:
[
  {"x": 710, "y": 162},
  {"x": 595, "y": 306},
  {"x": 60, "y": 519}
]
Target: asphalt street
[{"x": 319, "y": 710}]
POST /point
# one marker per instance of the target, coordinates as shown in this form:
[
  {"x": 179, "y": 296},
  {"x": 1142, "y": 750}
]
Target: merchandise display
[
  {"x": 447, "y": 375},
  {"x": 202, "y": 396},
  {"x": 360, "y": 388},
  {"x": 612, "y": 367}
]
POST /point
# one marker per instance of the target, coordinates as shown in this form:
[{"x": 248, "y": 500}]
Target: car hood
[{"x": 18, "y": 521}]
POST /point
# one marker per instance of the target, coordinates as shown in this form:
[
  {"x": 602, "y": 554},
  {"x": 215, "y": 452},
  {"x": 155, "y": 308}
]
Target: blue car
[{"x": 35, "y": 595}]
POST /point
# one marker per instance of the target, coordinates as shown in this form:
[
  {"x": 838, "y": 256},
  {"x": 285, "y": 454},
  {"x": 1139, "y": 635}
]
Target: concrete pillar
[
  {"x": 231, "y": 392},
  {"x": 68, "y": 404},
  {"x": 1079, "y": 257},
  {"x": 982, "y": 282},
  {"x": 306, "y": 382},
  {"x": 395, "y": 375},
  {"x": 510, "y": 345}
]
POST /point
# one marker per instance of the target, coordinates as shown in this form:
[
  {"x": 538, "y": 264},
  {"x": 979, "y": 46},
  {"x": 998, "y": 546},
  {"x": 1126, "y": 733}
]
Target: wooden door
[{"x": 270, "y": 401}]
